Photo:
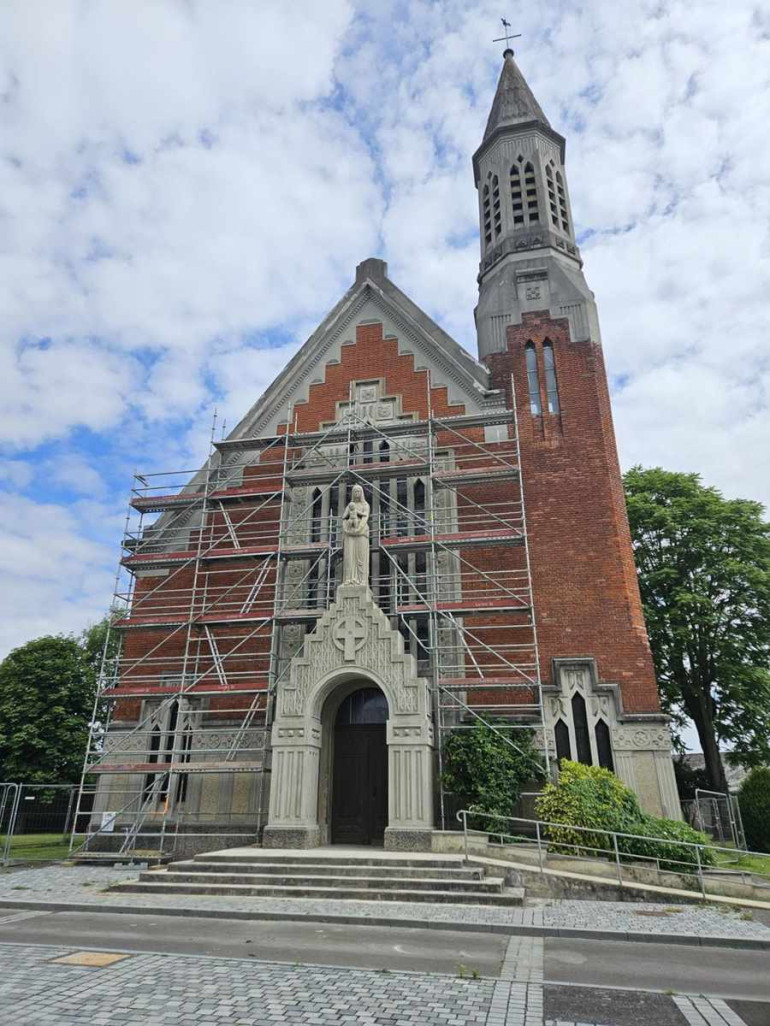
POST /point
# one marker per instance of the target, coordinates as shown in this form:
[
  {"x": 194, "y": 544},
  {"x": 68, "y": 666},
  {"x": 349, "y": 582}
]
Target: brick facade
[{"x": 585, "y": 586}]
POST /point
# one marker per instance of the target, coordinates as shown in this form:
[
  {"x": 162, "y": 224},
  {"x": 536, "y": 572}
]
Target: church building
[{"x": 399, "y": 540}]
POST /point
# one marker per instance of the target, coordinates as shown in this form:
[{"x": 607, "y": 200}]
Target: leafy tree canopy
[
  {"x": 47, "y": 690},
  {"x": 704, "y": 574}
]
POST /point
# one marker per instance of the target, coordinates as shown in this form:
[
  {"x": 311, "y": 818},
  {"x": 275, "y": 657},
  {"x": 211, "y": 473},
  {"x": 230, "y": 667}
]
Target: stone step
[
  {"x": 357, "y": 869},
  {"x": 275, "y": 858},
  {"x": 509, "y": 897},
  {"x": 490, "y": 885}
]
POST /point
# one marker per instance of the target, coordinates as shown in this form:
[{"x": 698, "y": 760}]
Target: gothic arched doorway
[{"x": 360, "y": 769}]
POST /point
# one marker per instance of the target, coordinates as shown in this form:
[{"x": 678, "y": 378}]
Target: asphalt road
[
  {"x": 718, "y": 972},
  {"x": 364, "y": 947}
]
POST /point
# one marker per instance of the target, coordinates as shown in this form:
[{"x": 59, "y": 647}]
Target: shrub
[
  {"x": 671, "y": 856},
  {"x": 588, "y": 796},
  {"x": 485, "y": 772},
  {"x": 754, "y": 802}
]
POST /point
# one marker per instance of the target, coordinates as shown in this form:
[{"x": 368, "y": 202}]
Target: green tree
[
  {"x": 484, "y": 770},
  {"x": 754, "y": 802},
  {"x": 704, "y": 573},
  {"x": 46, "y": 699}
]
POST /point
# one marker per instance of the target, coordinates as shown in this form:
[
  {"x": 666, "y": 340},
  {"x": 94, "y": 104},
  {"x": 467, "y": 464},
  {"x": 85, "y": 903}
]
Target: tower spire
[{"x": 514, "y": 101}]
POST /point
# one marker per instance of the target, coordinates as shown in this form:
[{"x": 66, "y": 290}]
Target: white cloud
[{"x": 184, "y": 192}]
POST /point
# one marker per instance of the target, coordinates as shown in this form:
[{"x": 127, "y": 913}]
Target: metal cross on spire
[{"x": 508, "y": 35}]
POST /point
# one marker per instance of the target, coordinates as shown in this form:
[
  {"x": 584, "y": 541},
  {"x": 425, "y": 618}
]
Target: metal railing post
[
  {"x": 701, "y": 881},
  {"x": 539, "y": 846},
  {"x": 617, "y": 859},
  {"x": 16, "y": 800},
  {"x": 465, "y": 832}
]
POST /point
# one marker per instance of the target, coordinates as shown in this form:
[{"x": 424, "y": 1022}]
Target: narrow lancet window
[
  {"x": 551, "y": 387},
  {"x": 562, "y": 202},
  {"x": 487, "y": 215},
  {"x": 533, "y": 214},
  {"x": 533, "y": 381},
  {"x": 517, "y": 201},
  {"x": 552, "y": 194},
  {"x": 497, "y": 215}
]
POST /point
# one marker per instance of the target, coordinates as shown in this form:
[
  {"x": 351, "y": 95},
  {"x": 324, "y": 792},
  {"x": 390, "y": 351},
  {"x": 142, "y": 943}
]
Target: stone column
[
  {"x": 410, "y": 787},
  {"x": 294, "y": 788}
]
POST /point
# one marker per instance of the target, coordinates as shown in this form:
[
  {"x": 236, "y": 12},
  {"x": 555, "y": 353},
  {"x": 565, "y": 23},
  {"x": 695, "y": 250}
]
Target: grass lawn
[
  {"x": 759, "y": 864},
  {"x": 37, "y": 846}
]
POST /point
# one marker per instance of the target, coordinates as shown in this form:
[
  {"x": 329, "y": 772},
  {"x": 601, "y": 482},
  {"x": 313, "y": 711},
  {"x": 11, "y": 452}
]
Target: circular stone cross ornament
[{"x": 349, "y": 635}]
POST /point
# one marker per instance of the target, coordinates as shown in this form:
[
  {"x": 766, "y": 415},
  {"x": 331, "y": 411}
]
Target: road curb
[{"x": 514, "y": 929}]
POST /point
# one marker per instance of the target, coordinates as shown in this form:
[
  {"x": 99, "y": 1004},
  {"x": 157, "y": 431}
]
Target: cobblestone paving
[
  {"x": 86, "y": 885},
  {"x": 169, "y": 990}
]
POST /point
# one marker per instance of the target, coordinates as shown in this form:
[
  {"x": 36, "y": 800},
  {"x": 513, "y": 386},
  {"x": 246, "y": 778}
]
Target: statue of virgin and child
[{"x": 355, "y": 539}]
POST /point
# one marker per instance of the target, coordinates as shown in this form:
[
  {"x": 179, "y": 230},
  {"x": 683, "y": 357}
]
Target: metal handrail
[{"x": 540, "y": 826}]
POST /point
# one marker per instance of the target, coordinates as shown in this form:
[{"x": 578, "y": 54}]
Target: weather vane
[{"x": 508, "y": 35}]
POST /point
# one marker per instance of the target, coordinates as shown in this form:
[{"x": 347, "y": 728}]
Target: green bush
[
  {"x": 754, "y": 802},
  {"x": 671, "y": 856},
  {"x": 588, "y": 796},
  {"x": 486, "y": 773}
]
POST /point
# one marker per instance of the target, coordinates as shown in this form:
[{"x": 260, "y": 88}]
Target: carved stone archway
[{"x": 353, "y": 640}]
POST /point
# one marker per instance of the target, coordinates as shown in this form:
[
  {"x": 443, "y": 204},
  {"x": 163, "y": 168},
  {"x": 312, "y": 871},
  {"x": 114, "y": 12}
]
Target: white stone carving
[{"x": 355, "y": 539}]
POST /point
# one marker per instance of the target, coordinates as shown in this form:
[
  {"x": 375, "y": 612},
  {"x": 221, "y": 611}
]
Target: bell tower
[
  {"x": 538, "y": 335},
  {"x": 529, "y": 257}
]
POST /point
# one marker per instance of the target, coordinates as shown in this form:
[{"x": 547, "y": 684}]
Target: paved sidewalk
[
  {"x": 42, "y": 985},
  {"x": 86, "y": 886}
]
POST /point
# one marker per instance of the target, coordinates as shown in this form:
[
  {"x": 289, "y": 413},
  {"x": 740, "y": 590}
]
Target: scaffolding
[{"x": 224, "y": 570}]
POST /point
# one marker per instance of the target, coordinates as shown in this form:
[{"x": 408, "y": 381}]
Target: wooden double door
[{"x": 360, "y": 784}]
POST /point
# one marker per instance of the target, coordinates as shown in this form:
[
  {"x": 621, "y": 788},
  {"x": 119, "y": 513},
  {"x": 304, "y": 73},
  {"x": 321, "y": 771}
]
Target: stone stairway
[{"x": 329, "y": 873}]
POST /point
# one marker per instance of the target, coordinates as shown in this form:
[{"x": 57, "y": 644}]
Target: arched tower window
[
  {"x": 497, "y": 215},
  {"x": 562, "y": 197},
  {"x": 533, "y": 381},
  {"x": 551, "y": 185},
  {"x": 486, "y": 209},
  {"x": 551, "y": 387},
  {"x": 517, "y": 199},
  {"x": 533, "y": 214}
]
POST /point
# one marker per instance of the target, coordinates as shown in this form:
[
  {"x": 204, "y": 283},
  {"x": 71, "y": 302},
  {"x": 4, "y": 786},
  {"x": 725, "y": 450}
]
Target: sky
[{"x": 186, "y": 187}]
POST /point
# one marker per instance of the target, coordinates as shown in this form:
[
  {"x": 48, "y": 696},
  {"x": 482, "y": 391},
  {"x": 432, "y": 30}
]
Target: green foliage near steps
[
  {"x": 592, "y": 797},
  {"x": 754, "y": 802},
  {"x": 485, "y": 772}
]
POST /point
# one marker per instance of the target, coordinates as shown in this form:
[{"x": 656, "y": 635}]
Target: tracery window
[
  {"x": 486, "y": 207},
  {"x": 533, "y": 380}
]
